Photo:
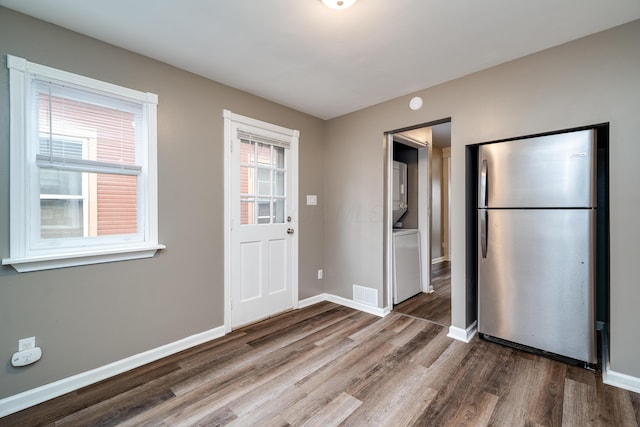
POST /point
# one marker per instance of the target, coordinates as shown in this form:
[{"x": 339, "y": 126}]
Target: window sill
[{"x": 23, "y": 265}]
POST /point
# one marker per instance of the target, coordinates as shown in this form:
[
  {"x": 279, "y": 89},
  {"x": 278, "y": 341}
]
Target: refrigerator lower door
[{"x": 536, "y": 279}]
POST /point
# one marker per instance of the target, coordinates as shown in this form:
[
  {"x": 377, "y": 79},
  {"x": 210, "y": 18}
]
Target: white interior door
[{"x": 263, "y": 206}]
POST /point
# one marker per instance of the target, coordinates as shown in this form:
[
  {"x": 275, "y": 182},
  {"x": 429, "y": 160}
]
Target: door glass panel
[
  {"x": 278, "y": 183},
  {"x": 264, "y": 182},
  {"x": 278, "y": 209},
  {"x": 247, "y": 211},
  {"x": 247, "y": 180},
  {"x": 264, "y": 154},
  {"x": 278, "y": 157},
  {"x": 264, "y": 211},
  {"x": 247, "y": 152}
]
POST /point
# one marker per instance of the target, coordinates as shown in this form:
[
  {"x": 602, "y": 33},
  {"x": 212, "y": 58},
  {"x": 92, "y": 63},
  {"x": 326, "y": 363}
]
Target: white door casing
[
  {"x": 261, "y": 207},
  {"x": 424, "y": 209}
]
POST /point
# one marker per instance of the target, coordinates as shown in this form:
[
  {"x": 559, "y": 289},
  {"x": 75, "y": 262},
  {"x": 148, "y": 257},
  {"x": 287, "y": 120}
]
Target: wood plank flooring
[
  {"x": 329, "y": 365},
  {"x": 435, "y": 306}
]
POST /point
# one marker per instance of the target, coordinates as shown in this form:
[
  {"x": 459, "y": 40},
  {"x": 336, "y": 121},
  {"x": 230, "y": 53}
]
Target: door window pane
[
  {"x": 278, "y": 183},
  {"x": 264, "y": 182},
  {"x": 247, "y": 180},
  {"x": 278, "y": 157},
  {"x": 278, "y": 209},
  {"x": 264, "y": 154},
  {"x": 247, "y": 152},
  {"x": 247, "y": 211},
  {"x": 264, "y": 211}
]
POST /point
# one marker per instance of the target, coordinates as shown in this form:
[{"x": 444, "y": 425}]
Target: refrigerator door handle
[
  {"x": 483, "y": 184},
  {"x": 484, "y": 223}
]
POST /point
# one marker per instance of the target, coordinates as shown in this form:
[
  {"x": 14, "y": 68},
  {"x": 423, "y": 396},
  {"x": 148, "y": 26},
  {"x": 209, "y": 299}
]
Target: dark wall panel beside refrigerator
[{"x": 602, "y": 225}]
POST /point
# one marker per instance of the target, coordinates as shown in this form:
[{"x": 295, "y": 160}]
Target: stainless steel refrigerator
[{"x": 536, "y": 243}]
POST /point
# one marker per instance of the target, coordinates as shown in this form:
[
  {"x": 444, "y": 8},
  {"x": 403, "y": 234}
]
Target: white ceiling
[{"x": 328, "y": 62}]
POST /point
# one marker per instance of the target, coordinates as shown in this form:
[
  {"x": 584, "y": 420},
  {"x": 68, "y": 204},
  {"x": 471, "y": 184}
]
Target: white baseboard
[
  {"x": 23, "y": 400},
  {"x": 620, "y": 380},
  {"x": 312, "y": 300},
  {"x": 438, "y": 260},
  {"x": 345, "y": 302},
  {"x": 464, "y": 335},
  {"x": 614, "y": 378},
  {"x": 356, "y": 305}
]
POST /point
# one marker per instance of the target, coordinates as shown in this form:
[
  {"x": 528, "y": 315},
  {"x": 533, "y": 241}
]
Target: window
[
  {"x": 262, "y": 180},
  {"x": 83, "y": 170}
]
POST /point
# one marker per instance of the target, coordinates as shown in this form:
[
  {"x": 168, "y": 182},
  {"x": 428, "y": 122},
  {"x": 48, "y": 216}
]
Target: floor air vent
[{"x": 365, "y": 295}]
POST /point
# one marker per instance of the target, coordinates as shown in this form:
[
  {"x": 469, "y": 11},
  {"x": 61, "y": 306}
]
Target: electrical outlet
[
  {"x": 320, "y": 274},
  {"x": 26, "y": 344}
]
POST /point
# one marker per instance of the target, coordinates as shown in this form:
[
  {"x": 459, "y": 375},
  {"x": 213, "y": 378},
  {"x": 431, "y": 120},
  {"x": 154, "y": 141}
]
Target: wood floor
[
  {"x": 330, "y": 365},
  {"x": 435, "y": 306}
]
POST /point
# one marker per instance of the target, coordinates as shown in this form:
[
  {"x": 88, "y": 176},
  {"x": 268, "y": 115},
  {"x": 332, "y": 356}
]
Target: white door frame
[
  {"x": 424, "y": 214},
  {"x": 446, "y": 157},
  {"x": 230, "y": 118}
]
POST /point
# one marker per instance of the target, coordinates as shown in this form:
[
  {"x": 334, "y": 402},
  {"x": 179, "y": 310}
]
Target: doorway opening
[{"x": 417, "y": 218}]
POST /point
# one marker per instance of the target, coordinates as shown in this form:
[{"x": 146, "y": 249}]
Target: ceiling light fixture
[{"x": 339, "y": 4}]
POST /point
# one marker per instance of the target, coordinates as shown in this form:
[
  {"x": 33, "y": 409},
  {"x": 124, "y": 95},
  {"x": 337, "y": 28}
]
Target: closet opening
[{"x": 417, "y": 218}]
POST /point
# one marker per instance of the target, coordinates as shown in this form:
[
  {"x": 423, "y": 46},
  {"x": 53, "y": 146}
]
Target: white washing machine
[{"x": 407, "y": 274}]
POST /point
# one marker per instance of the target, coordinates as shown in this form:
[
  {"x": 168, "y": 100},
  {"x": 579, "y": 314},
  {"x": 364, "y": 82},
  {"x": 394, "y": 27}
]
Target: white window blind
[
  {"x": 110, "y": 126},
  {"x": 260, "y": 139}
]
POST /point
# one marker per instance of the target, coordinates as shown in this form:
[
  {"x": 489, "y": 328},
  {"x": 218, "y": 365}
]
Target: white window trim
[{"x": 22, "y": 256}]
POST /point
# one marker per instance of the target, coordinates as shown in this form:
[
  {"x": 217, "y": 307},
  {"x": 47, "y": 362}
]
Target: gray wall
[
  {"x": 592, "y": 80},
  {"x": 86, "y": 317}
]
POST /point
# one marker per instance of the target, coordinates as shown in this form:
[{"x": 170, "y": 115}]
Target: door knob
[{"x": 289, "y": 230}]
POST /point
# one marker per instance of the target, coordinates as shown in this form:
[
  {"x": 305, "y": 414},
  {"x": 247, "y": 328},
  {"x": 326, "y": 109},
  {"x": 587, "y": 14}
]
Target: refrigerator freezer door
[
  {"x": 536, "y": 281},
  {"x": 545, "y": 172}
]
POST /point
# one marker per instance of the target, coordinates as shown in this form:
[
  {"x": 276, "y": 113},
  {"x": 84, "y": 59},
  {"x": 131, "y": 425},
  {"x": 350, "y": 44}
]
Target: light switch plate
[{"x": 312, "y": 200}]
